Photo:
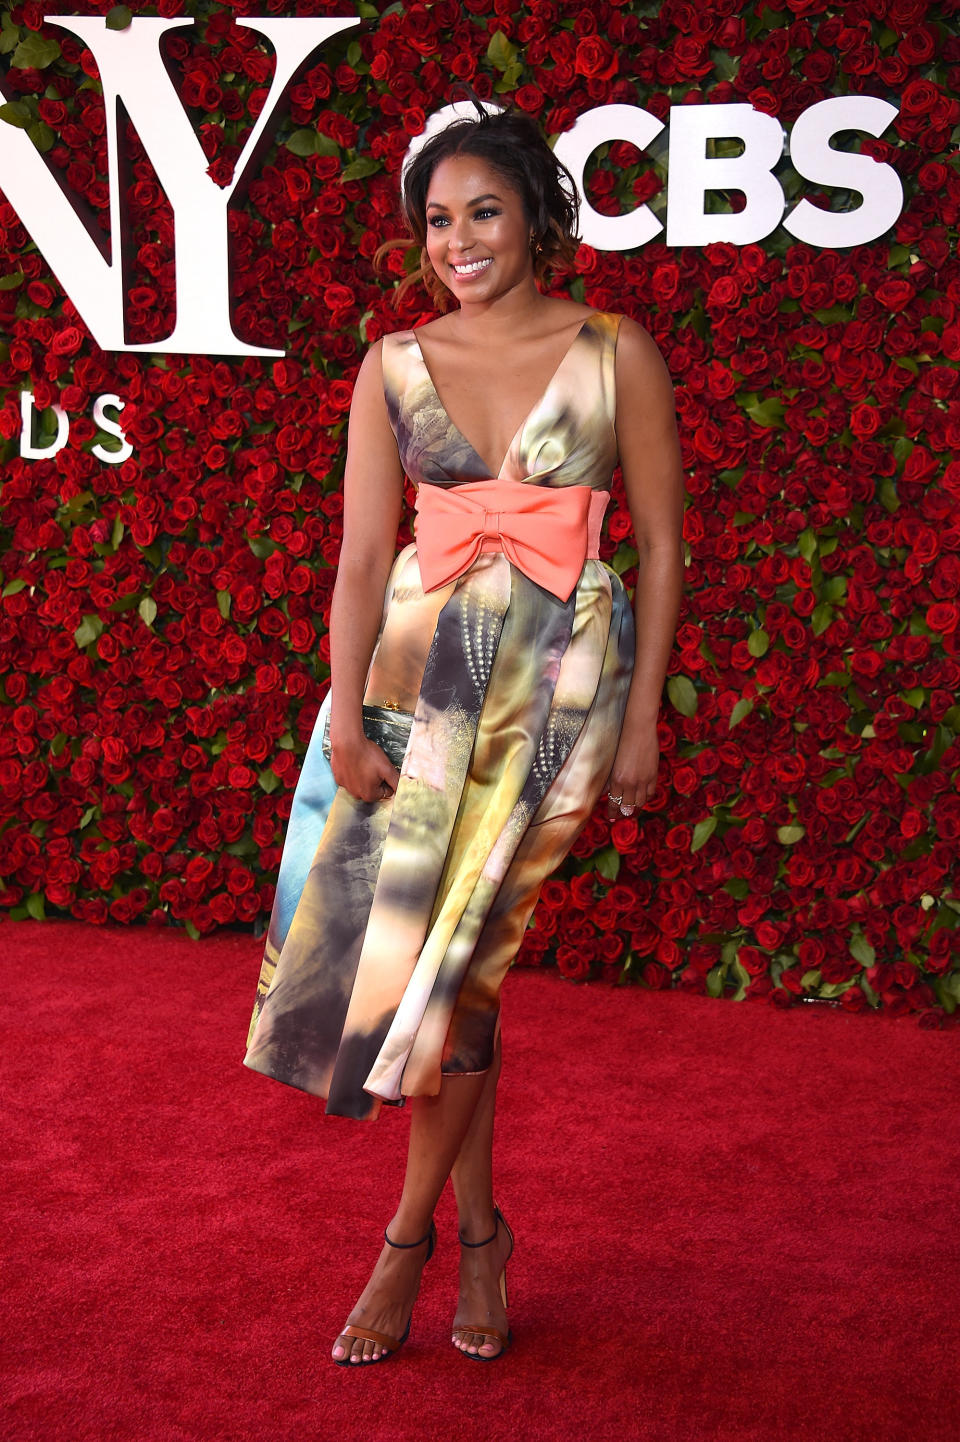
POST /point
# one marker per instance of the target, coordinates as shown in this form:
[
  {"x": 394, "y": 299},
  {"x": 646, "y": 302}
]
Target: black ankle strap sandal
[{"x": 488, "y": 1331}]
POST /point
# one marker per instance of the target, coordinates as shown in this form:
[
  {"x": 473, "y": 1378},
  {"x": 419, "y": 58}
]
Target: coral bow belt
[{"x": 547, "y": 532}]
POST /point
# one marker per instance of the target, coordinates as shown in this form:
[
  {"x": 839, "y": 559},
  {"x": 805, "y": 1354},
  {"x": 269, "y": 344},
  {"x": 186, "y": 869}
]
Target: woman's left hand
[{"x": 633, "y": 779}]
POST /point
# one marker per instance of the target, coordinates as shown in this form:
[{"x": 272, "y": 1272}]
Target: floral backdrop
[{"x": 163, "y": 622}]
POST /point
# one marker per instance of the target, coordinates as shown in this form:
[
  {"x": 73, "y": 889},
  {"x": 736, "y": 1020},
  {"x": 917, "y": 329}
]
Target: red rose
[
  {"x": 596, "y": 58},
  {"x": 572, "y": 963}
]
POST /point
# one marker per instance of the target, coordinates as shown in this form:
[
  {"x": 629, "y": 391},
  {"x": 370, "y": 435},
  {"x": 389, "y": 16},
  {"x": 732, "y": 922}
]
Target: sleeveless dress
[{"x": 395, "y": 921}]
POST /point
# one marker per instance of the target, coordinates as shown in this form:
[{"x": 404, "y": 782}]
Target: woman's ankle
[
  {"x": 477, "y": 1224},
  {"x": 408, "y": 1229}
]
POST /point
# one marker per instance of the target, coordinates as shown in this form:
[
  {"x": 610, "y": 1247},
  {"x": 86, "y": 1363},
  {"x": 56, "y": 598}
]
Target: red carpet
[{"x": 733, "y": 1222}]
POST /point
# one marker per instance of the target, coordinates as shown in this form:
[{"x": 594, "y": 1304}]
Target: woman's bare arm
[
  {"x": 373, "y": 496},
  {"x": 652, "y": 469}
]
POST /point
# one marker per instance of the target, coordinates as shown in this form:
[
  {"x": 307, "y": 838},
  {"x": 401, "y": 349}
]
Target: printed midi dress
[{"x": 395, "y": 921}]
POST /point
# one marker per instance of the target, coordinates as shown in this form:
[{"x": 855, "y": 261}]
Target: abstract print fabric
[{"x": 395, "y": 921}]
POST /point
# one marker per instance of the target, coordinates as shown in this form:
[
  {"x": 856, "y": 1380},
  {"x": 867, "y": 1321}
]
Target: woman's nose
[{"x": 460, "y": 234}]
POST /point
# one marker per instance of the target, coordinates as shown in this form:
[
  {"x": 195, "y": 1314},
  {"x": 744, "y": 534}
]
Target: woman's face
[{"x": 478, "y": 234}]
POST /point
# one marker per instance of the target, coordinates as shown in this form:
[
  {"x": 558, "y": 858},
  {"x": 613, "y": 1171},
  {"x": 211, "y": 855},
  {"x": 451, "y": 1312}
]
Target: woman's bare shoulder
[{"x": 637, "y": 351}]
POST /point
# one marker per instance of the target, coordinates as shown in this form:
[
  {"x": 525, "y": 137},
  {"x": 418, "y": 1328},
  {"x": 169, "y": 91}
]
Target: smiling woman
[
  {"x": 524, "y": 170},
  {"x": 507, "y": 652}
]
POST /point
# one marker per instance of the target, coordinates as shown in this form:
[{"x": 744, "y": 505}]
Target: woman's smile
[{"x": 465, "y": 269}]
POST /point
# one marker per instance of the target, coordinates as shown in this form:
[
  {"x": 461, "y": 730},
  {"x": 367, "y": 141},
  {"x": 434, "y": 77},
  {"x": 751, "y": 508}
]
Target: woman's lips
[{"x": 472, "y": 268}]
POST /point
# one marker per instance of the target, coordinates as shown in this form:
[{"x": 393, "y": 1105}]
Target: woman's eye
[{"x": 438, "y": 220}]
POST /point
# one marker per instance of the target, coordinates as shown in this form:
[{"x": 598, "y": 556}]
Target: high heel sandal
[
  {"x": 390, "y": 1345},
  {"x": 487, "y": 1331}
]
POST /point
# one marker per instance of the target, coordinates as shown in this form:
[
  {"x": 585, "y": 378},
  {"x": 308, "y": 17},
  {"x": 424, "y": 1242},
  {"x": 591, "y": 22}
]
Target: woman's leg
[
  {"x": 438, "y": 1126},
  {"x": 480, "y": 1302}
]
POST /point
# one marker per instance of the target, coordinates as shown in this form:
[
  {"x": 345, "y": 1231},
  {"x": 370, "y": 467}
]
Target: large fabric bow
[{"x": 542, "y": 530}]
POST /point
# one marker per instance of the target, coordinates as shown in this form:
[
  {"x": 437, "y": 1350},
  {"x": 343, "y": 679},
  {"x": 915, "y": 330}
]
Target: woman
[{"x": 506, "y": 655}]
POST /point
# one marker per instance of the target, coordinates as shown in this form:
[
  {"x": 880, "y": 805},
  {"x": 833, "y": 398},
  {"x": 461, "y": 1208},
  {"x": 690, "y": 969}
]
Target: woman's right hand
[{"x": 360, "y": 767}]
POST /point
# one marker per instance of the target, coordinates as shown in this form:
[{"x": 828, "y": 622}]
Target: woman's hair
[{"x": 513, "y": 145}]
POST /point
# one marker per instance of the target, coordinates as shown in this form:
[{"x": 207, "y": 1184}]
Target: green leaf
[
  {"x": 624, "y": 557},
  {"x": 302, "y": 142},
  {"x": 224, "y": 602},
  {"x": 148, "y": 610},
  {"x": 837, "y": 988},
  {"x": 88, "y": 630},
  {"x": 87, "y": 817},
  {"x": 358, "y": 169},
  {"x": 35, "y": 906},
  {"x": 758, "y": 643},
  {"x": 743, "y": 708},
  {"x": 268, "y": 780},
  {"x": 725, "y": 65},
  {"x": 702, "y": 832},
  {"x": 868, "y": 991},
  {"x": 42, "y": 136},
  {"x": 14, "y": 587},
  {"x": 738, "y": 887},
  {"x": 789, "y": 835},
  {"x": 500, "y": 52},
  {"x": 683, "y": 695},
  {"x": 607, "y": 863},
  {"x": 821, "y": 618},
  {"x": 832, "y": 313},
  {"x": 887, "y": 492},
  {"x": 861, "y": 950},
  {"x": 714, "y": 980},
  {"x": 35, "y": 53},
  {"x": 116, "y": 534},
  {"x": 767, "y": 413},
  {"x": 951, "y": 718},
  {"x": 945, "y": 998},
  {"x": 119, "y": 18},
  {"x": 807, "y": 544},
  {"x": 261, "y": 546},
  {"x": 10, "y": 282},
  {"x": 509, "y": 79},
  {"x": 902, "y": 450},
  {"x": 16, "y": 113},
  {"x": 324, "y": 144}
]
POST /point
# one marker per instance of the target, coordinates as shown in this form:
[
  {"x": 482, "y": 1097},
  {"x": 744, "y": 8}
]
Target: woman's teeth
[{"x": 472, "y": 268}]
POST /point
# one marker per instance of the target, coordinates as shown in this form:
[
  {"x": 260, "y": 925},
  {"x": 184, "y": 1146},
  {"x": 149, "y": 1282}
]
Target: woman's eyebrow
[{"x": 438, "y": 205}]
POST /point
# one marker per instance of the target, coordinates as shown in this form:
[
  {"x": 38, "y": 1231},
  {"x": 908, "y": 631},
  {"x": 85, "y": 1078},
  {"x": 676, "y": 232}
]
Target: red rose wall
[{"x": 163, "y": 621}]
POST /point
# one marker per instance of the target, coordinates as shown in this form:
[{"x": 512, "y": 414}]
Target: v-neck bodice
[{"x": 566, "y": 439}]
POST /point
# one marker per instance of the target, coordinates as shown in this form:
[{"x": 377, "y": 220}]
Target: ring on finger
[
  {"x": 615, "y": 799},
  {"x": 627, "y": 810}
]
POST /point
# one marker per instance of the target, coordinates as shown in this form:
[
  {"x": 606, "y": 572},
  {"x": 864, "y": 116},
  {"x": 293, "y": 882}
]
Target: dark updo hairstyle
[{"x": 512, "y": 144}]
